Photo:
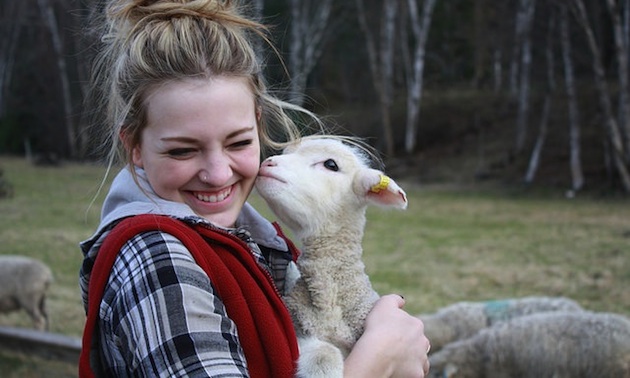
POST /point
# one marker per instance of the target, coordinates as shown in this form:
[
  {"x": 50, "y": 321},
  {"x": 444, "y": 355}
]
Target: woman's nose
[{"x": 216, "y": 170}]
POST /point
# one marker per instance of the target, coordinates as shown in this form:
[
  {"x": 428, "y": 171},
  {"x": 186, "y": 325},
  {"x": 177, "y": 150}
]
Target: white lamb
[
  {"x": 320, "y": 188},
  {"x": 464, "y": 319},
  {"x": 558, "y": 344},
  {"x": 23, "y": 284}
]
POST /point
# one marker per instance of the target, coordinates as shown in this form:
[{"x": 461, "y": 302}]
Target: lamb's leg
[
  {"x": 319, "y": 359},
  {"x": 33, "y": 307},
  {"x": 42, "y": 311}
]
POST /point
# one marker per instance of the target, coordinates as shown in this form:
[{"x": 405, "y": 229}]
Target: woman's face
[{"x": 200, "y": 145}]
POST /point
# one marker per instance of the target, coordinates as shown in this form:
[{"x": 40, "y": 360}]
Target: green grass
[
  {"x": 450, "y": 245},
  {"x": 46, "y": 218}
]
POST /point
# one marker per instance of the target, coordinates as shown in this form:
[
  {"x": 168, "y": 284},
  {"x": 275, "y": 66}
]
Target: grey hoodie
[{"x": 126, "y": 199}]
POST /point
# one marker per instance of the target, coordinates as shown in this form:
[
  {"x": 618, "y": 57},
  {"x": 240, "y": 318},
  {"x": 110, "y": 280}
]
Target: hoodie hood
[{"x": 126, "y": 198}]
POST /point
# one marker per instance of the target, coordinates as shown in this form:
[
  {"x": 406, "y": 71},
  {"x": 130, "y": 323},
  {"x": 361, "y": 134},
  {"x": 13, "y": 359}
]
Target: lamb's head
[{"x": 320, "y": 184}]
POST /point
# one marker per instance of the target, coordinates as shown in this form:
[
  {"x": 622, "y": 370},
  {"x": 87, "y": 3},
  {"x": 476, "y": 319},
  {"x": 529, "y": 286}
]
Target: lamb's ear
[{"x": 382, "y": 189}]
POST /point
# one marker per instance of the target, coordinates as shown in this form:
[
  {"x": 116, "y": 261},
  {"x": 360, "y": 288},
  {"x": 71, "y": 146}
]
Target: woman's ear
[
  {"x": 132, "y": 149},
  {"x": 136, "y": 156}
]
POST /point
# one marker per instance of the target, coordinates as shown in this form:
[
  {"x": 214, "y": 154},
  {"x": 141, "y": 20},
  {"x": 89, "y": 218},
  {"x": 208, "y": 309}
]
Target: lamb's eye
[{"x": 332, "y": 165}]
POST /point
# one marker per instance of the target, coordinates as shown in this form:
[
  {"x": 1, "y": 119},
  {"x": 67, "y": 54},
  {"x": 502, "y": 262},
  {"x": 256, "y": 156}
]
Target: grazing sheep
[
  {"x": 320, "y": 188},
  {"x": 545, "y": 345},
  {"x": 23, "y": 284},
  {"x": 464, "y": 319}
]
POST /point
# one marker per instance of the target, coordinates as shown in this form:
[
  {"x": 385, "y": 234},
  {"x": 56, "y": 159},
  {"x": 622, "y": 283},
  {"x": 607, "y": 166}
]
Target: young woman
[{"x": 183, "y": 277}]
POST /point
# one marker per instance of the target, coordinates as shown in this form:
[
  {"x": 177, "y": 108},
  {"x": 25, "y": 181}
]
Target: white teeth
[{"x": 214, "y": 197}]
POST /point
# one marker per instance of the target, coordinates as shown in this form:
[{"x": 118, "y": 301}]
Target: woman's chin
[{"x": 220, "y": 214}]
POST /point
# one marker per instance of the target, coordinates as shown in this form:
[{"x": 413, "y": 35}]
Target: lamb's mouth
[
  {"x": 212, "y": 198},
  {"x": 263, "y": 175}
]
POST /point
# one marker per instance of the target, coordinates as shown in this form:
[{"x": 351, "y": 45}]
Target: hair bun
[{"x": 123, "y": 15}]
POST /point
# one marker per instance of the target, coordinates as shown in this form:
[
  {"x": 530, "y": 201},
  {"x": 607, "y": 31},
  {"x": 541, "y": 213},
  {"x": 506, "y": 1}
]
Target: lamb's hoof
[{"x": 319, "y": 359}]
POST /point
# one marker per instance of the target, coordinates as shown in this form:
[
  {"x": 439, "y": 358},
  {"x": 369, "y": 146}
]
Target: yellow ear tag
[{"x": 382, "y": 185}]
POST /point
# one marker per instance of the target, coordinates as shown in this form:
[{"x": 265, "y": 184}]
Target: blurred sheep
[
  {"x": 23, "y": 285},
  {"x": 545, "y": 345},
  {"x": 321, "y": 188},
  {"x": 464, "y": 319}
]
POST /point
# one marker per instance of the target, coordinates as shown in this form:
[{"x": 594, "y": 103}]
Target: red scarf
[{"x": 264, "y": 325}]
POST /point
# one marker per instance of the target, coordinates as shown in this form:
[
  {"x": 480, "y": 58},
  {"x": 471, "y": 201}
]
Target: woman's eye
[
  {"x": 332, "y": 165},
  {"x": 242, "y": 143},
  {"x": 180, "y": 152}
]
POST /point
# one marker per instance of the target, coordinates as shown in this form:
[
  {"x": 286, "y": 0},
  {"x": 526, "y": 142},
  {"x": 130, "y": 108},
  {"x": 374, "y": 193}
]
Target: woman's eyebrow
[
  {"x": 186, "y": 139},
  {"x": 241, "y": 131}
]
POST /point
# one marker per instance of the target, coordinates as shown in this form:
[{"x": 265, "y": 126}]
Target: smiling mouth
[{"x": 213, "y": 198}]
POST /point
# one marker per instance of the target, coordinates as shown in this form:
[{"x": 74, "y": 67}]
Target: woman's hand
[{"x": 393, "y": 344}]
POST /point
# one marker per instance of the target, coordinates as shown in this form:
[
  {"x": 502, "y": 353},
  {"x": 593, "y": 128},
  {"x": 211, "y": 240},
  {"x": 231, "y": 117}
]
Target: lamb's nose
[{"x": 269, "y": 162}]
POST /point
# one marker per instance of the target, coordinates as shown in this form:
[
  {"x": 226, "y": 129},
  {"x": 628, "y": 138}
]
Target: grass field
[{"x": 450, "y": 245}]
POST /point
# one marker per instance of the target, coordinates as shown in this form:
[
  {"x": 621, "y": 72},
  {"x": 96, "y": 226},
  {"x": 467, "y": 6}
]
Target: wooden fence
[{"x": 41, "y": 344}]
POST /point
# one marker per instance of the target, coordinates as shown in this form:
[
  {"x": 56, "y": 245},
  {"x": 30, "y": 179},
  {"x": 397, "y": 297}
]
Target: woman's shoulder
[
  {"x": 152, "y": 247},
  {"x": 151, "y": 262}
]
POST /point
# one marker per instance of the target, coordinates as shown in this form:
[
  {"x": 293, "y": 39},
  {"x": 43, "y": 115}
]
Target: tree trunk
[
  {"x": 388, "y": 33},
  {"x": 497, "y": 69},
  {"x": 309, "y": 28},
  {"x": 415, "y": 81},
  {"x": 621, "y": 48},
  {"x": 381, "y": 63},
  {"x": 523, "y": 87},
  {"x": 519, "y": 26},
  {"x": 258, "y": 7},
  {"x": 534, "y": 160},
  {"x": 10, "y": 34},
  {"x": 482, "y": 13},
  {"x": 577, "y": 177},
  {"x": 612, "y": 128},
  {"x": 50, "y": 20}
]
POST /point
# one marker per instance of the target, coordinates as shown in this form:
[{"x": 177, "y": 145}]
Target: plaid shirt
[{"x": 159, "y": 315}]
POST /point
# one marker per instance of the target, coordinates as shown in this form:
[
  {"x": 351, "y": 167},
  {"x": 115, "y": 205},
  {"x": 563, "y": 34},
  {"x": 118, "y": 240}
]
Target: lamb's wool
[
  {"x": 552, "y": 344},
  {"x": 464, "y": 319},
  {"x": 320, "y": 188},
  {"x": 23, "y": 285}
]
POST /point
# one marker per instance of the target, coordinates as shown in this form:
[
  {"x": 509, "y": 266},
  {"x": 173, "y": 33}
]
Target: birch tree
[
  {"x": 309, "y": 30},
  {"x": 50, "y": 20},
  {"x": 420, "y": 28},
  {"x": 520, "y": 26},
  {"x": 526, "y": 16},
  {"x": 10, "y": 30},
  {"x": 257, "y": 10},
  {"x": 381, "y": 59},
  {"x": 258, "y": 6},
  {"x": 614, "y": 135},
  {"x": 496, "y": 36},
  {"x": 621, "y": 48},
  {"x": 575, "y": 163},
  {"x": 86, "y": 16},
  {"x": 534, "y": 160}
]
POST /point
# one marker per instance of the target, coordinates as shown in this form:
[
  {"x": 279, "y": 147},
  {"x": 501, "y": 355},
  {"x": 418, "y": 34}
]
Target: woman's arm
[{"x": 393, "y": 344}]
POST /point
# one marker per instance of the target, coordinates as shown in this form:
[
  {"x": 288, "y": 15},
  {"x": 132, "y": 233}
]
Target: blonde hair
[{"x": 148, "y": 43}]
